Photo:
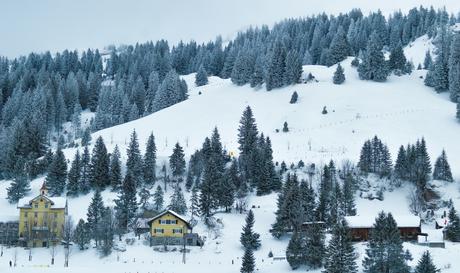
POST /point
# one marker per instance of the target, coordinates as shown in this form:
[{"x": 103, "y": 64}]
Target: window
[
  {"x": 158, "y": 230},
  {"x": 177, "y": 230},
  {"x": 25, "y": 214},
  {"x": 35, "y": 214},
  {"x": 46, "y": 205},
  {"x": 173, "y": 222},
  {"x": 36, "y": 205}
]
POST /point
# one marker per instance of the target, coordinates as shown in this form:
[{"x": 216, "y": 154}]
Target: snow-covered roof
[
  {"x": 362, "y": 221},
  {"x": 9, "y": 218},
  {"x": 170, "y": 212},
  {"x": 57, "y": 202}
]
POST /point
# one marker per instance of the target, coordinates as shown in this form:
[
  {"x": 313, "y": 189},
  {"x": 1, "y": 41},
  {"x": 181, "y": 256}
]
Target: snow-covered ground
[{"x": 399, "y": 111}]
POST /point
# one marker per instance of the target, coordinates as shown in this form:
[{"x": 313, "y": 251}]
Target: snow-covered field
[{"x": 399, "y": 111}]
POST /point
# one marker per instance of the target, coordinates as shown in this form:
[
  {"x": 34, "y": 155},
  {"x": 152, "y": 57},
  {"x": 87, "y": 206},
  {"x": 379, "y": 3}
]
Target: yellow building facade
[
  {"x": 41, "y": 219},
  {"x": 169, "y": 224}
]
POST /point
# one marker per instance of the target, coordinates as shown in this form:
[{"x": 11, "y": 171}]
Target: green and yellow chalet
[
  {"x": 41, "y": 219},
  {"x": 169, "y": 228}
]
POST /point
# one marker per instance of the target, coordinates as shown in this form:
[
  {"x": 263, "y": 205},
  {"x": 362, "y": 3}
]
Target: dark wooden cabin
[{"x": 360, "y": 227}]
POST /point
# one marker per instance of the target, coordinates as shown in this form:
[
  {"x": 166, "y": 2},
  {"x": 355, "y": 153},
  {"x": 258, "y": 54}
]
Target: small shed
[{"x": 360, "y": 227}]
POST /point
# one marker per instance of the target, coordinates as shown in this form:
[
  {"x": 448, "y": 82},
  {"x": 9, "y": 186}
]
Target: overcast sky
[{"x": 40, "y": 25}]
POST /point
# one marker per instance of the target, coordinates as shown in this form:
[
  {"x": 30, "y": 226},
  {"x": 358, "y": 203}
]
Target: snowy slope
[{"x": 398, "y": 111}]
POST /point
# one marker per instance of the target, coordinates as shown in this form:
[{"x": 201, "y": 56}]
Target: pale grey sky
[{"x": 40, "y": 25}]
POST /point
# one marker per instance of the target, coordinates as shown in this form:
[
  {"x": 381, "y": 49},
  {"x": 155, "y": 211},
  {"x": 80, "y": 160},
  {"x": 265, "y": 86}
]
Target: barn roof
[{"x": 361, "y": 221}]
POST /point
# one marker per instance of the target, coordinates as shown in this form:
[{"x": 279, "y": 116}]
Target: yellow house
[
  {"x": 169, "y": 227},
  {"x": 41, "y": 219}
]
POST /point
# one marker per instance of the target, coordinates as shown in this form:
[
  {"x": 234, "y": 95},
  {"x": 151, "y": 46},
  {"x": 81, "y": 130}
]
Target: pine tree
[
  {"x": 144, "y": 198},
  {"x": 295, "y": 252},
  {"x": 134, "y": 162},
  {"x": 315, "y": 248},
  {"x": 257, "y": 77},
  {"x": 74, "y": 176},
  {"x": 401, "y": 165},
  {"x": 249, "y": 238},
  {"x": 340, "y": 255},
  {"x": 85, "y": 171},
  {"x": 158, "y": 199},
  {"x": 247, "y": 139},
  {"x": 81, "y": 235},
  {"x": 428, "y": 60},
  {"x": 373, "y": 66},
  {"x": 248, "y": 261},
  {"x": 115, "y": 169},
  {"x": 107, "y": 231},
  {"x": 454, "y": 69},
  {"x": 276, "y": 67},
  {"x": 150, "y": 161},
  {"x": 422, "y": 165},
  {"x": 349, "y": 207},
  {"x": 425, "y": 264},
  {"x": 177, "y": 161},
  {"x": 339, "y": 76},
  {"x": 194, "y": 203},
  {"x": 397, "y": 59},
  {"x": 201, "y": 77},
  {"x": 384, "y": 251},
  {"x": 453, "y": 226},
  {"x": 94, "y": 216},
  {"x": 442, "y": 168},
  {"x": 57, "y": 174},
  {"x": 340, "y": 48},
  {"x": 294, "y": 97},
  {"x": 99, "y": 168},
  {"x": 86, "y": 138},
  {"x": 126, "y": 203},
  {"x": 178, "y": 203},
  {"x": 208, "y": 202},
  {"x": 20, "y": 185},
  {"x": 293, "y": 68}
]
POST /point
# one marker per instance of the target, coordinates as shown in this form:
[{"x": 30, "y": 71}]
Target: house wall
[
  {"x": 168, "y": 229},
  {"x": 41, "y": 224}
]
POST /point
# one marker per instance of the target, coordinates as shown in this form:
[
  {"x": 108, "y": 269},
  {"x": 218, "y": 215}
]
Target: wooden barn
[{"x": 360, "y": 227}]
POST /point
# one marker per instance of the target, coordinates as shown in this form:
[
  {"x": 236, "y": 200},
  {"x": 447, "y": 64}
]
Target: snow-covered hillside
[{"x": 399, "y": 111}]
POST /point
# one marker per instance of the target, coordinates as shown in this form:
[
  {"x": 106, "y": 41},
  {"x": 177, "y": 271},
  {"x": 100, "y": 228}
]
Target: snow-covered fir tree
[
  {"x": 442, "y": 168},
  {"x": 99, "y": 166},
  {"x": 384, "y": 252},
  {"x": 249, "y": 238},
  {"x": 57, "y": 174},
  {"x": 340, "y": 254},
  {"x": 248, "y": 262},
  {"x": 158, "y": 199},
  {"x": 115, "y": 169},
  {"x": 150, "y": 161},
  {"x": 373, "y": 66},
  {"x": 178, "y": 203},
  {"x": 134, "y": 165},
  {"x": 94, "y": 216},
  {"x": 177, "y": 161},
  {"x": 425, "y": 264},
  {"x": 20, "y": 185},
  {"x": 126, "y": 203},
  {"x": 339, "y": 76},
  {"x": 201, "y": 77},
  {"x": 74, "y": 176},
  {"x": 82, "y": 236},
  {"x": 453, "y": 226}
]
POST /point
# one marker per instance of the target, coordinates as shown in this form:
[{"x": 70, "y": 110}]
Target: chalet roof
[
  {"x": 170, "y": 212},
  {"x": 361, "y": 221},
  {"x": 56, "y": 202}
]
